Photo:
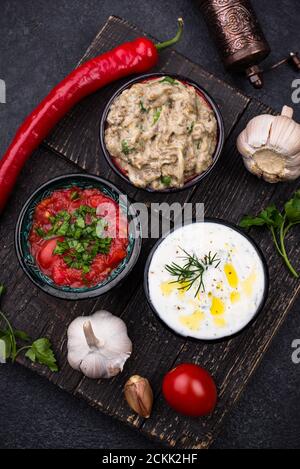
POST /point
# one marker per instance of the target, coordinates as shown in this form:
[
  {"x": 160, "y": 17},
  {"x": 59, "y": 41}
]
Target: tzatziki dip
[{"x": 206, "y": 280}]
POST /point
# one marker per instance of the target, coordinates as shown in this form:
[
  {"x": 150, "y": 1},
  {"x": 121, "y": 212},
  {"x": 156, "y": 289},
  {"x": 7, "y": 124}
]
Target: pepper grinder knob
[
  {"x": 295, "y": 60},
  {"x": 255, "y": 76}
]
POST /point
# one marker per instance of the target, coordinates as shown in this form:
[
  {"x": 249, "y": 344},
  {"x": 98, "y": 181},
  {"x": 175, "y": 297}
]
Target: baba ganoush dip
[
  {"x": 221, "y": 301},
  {"x": 161, "y": 133}
]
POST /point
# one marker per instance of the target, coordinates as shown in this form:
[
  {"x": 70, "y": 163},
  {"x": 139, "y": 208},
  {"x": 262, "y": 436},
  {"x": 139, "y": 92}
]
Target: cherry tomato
[{"x": 190, "y": 390}]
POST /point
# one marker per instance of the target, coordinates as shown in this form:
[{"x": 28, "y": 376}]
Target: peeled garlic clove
[
  {"x": 139, "y": 395},
  {"x": 270, "y": 146},
  {"x": 98, "y": 345}
]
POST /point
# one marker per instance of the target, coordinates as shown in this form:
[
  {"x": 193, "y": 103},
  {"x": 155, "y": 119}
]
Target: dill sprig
[{"x": 192, "y": 271}]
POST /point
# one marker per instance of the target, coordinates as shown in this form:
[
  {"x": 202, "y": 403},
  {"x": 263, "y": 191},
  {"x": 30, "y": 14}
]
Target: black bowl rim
[
  {"x": 208, "y": 97},
  {"x": 266, "y": 276},
  {"x": 96, "y": 292}
]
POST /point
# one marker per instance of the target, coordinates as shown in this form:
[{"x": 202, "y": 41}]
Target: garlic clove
[
  {"x": 258, "y": 130},
  {"x": 139, "y": 395}
]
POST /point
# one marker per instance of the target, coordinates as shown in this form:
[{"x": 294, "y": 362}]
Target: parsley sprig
[
  {"x": 279, "y": 223},
  {"x": 192, "y": 271},
  {"x": 84, "y": 236},
  {"x": 37, "y": 351}
]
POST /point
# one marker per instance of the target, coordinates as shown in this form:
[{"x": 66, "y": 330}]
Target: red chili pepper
[{"x": 132, "y": 57}]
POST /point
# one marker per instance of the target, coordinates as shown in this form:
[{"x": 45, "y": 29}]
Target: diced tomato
[
  {"x": 54, "y": 265},
  {"x": 74, "y": 204},
  {"x": 117, "y": 252},
  {"x": 96, "y": 200},
  {"x": 59, "y": 274},
  {"x": 45, "y": 256},
  {"x": 117, "y": 256}
]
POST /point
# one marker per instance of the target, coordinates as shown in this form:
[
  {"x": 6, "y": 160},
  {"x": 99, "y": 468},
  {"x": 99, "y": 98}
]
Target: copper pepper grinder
[{"x": 238, "y": 36}]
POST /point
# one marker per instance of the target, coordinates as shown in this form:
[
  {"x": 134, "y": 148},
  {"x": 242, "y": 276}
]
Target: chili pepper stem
[{"x": 170, "y": 42}]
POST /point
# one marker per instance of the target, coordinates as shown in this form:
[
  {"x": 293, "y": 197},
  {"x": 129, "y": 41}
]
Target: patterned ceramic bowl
[{"x": 24, "y": 223}]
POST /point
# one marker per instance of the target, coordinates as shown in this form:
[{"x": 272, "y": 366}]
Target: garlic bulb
[
  {"x": 270, "y": 146},
  {"x": 98, "y": 345}
]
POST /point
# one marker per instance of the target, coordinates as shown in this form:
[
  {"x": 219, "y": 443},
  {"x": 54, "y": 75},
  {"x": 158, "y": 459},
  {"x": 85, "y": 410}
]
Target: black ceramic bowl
[
  {"x": 24, "y": 224},
  {"x": 220, "y": 138},
  {"x": 266, "y": 278}
]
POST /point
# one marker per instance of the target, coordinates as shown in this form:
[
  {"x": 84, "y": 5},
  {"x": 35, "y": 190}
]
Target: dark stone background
[{"x": 40, "y": 41}]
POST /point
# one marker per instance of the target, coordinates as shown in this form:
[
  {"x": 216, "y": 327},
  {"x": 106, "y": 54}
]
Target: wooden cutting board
[{"x": 228, "y": 193}]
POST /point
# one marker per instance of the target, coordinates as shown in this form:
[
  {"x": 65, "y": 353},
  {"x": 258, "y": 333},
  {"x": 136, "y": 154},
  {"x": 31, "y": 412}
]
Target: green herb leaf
[
  {"x": 247, "y": 221},
  {"x": 269, "y": 217},
  {"x": 169, "y": 80},
  {"x": 40, "y": 349},
  {"x": 279, "y": 224},
  {"x": 125, "y": 147},
  {"x": 166, "y": 180},
  {"x": 292, "y": 208},
  {"x": 74, "y": 195},
  {"x": 143, "y": 109},
  {"x": 85, "y": 269},
  {"x": 62, "y": 230},
  {"x": 156, "y": 115},
  {"x": 61, "y": 247},
  {"x": 40, "y": 232},
  {"x": 192, "y": 271},
  {"x": 80, "y": 222},
  {"x": 42, "y": 352}
]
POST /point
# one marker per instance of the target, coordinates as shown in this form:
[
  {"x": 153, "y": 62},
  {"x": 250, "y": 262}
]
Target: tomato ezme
[{"x": 78, "y": 236}]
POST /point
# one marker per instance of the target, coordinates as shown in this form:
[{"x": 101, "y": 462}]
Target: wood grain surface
[{"x": 228, "y": 193}]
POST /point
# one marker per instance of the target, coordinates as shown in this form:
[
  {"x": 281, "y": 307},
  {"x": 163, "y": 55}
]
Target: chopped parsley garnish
[
  {"x": 84, "y": 236},
  {"x": 169, "y": 80},
  {"x": 143, "y": 109},
  {"x": 156, "y": 115},
  {"x": 125, "y": 147},
  {"x": 40, "y": 232},
  {"x": 166, "y": 180}
]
